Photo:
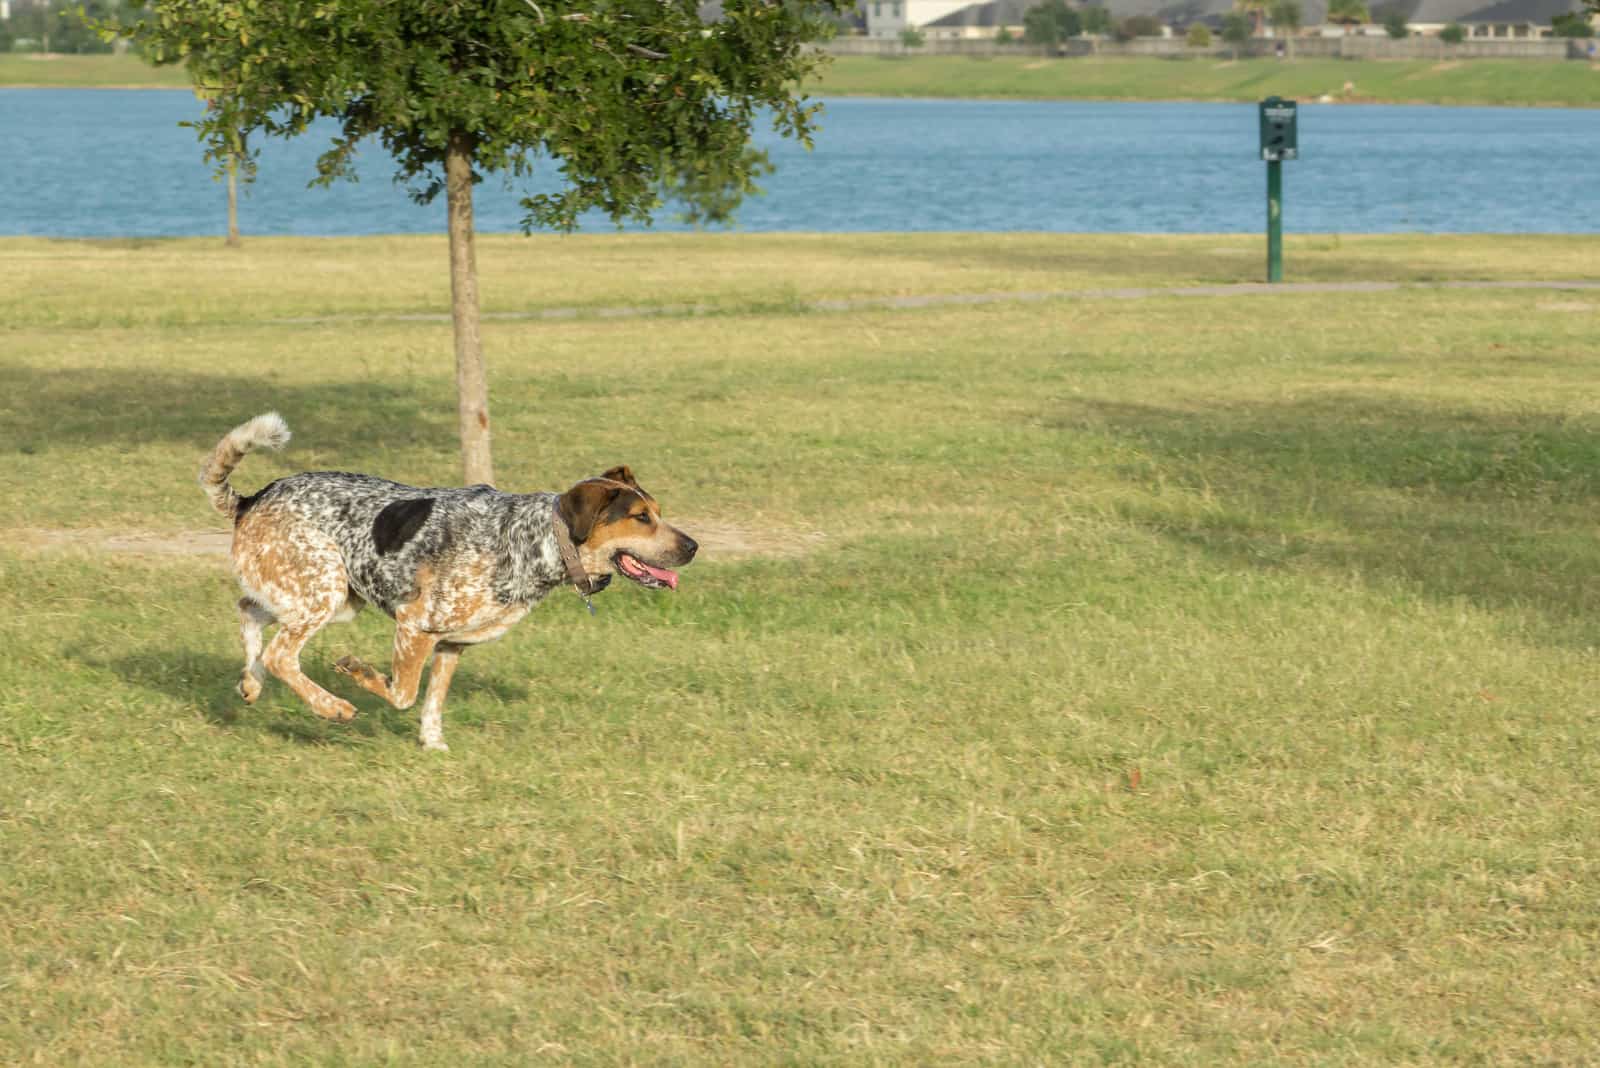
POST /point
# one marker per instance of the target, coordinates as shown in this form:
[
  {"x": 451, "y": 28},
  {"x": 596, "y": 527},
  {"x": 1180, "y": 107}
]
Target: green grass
[
  {"x": 1483, "y": 82},
  {"x": 87, "y": 72},
  {"x": 1183, "y": 681},
  {"x": 1478, "y": 81}
]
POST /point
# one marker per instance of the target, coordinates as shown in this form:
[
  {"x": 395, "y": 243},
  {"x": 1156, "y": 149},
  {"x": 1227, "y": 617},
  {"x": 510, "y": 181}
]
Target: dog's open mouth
[{"x": 644, "y": 574}]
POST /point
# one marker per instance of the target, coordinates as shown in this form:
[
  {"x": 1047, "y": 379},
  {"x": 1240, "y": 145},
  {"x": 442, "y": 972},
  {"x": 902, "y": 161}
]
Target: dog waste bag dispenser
[{"x": 1280, "y": 140}]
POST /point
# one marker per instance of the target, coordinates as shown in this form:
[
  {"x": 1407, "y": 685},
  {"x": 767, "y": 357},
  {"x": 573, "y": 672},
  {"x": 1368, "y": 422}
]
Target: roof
[{"x": 989, "y": 13}]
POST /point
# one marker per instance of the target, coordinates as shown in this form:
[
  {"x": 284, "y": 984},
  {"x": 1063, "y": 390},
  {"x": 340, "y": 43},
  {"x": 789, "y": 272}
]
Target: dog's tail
[{"x": 269, "y": 430}]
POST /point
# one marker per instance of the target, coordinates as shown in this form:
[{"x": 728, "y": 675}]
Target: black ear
[
  {"x": 583, "y": 504},
  {"x": 623, "y": 475}
]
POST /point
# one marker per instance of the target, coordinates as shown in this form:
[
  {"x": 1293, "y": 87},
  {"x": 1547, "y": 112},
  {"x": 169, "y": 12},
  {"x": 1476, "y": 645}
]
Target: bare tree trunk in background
[
  {"x": 472, "y": 384},
  {"x": 233, "y": 202}
]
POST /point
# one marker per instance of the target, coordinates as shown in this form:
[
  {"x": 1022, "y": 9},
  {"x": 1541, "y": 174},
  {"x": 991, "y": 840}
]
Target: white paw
[{"x": 435, "y": 744}]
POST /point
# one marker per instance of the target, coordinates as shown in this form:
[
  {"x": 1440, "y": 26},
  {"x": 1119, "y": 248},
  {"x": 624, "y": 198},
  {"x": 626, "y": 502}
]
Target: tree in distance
[
  {"x": 1395, "y": 25},
  {"x": 1348, "y": 13},
  {"x": 1453, "y": 33},
  {"x": 1050, "y": 23},
  {"x": 1286, "y": 17},
  {"x": 1235, "y": 30},
  {"x": 633, "y": 102},
  {"x": 1198, "y": 36}
]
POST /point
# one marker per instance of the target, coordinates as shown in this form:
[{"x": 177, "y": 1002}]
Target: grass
[
  {"x": 1176, "y": 681},
  {"x": 1478, "y": 81},
  {"x": 87, "y": 72}
]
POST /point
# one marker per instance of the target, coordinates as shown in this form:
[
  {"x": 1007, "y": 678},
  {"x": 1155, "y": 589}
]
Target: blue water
[{"x": 92, "y": 163}]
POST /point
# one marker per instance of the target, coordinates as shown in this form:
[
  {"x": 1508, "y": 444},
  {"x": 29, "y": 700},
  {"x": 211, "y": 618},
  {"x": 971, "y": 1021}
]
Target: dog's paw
[
  {"x": 353, "y": 666},
  {"x": 338, "y": 710},
  {"x": 249, "y": 688},
  {"x": 435, "y": 745}
]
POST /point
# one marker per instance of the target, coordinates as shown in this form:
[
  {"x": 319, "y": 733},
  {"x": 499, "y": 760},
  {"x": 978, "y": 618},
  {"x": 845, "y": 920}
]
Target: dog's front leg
[
  {"x": 445, "y": 658},
  {"x": 412, "y": 648}
]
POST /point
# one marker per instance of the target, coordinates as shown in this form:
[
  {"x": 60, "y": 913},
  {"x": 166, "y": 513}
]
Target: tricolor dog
[{"x": 452, "y": 567}]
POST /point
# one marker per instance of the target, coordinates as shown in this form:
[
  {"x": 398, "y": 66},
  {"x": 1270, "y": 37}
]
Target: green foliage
[
  {"x": 1572, "y": 24},
  {"x": 1199, "y": 36},
  {"x": 1348, "y": 12},
  {"x": 1095, "y": 19},
  {"x": 911, "y": 37},
  {"x": 1050, "y": 23},
  {"x": 1138, "y": 26},
  {"x": 1454, "y": 33},
  {"x": 1286, "y": 15},
  {"x": 1004, "y": 37},
  {"x": 61, "y": 27},
  {"x": 1236, "y": 28},
  {"x": 620, "y": 97},
  {"x": 1395, "y": 25}
]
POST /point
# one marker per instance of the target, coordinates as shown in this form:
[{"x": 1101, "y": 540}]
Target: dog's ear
[
  {"x": 623, "y": 475},
  {"x": 583, "y": 504}
]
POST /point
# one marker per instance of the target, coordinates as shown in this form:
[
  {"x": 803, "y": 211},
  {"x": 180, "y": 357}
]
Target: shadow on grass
[
  {"x": 206, "y": 682},
  {"x": 1494, "y": 508},
  {"x": 125, "y": 406}
]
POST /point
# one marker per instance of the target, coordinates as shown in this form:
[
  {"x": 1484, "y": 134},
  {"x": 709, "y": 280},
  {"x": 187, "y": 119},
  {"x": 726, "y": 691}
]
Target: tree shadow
[
  {"x": 123, "y": 406},
  {"x": 1493, "y": 508}
]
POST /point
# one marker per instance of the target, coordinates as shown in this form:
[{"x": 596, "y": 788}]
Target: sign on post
[{"x": 1280, "y": 140}]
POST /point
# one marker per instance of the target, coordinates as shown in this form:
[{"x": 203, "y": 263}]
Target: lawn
[
  {"x": 1477, "y": 81},
  {"x": 1185, "y": 680}
]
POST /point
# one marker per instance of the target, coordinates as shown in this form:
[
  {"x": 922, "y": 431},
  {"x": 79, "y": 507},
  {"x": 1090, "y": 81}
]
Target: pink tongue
[{"x": 669, "y": 577}]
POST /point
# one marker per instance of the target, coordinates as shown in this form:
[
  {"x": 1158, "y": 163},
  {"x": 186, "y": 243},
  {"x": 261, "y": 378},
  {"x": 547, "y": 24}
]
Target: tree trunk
[
  {"x": 232, "y": 240},
  {"x": 472, "y": 384}
]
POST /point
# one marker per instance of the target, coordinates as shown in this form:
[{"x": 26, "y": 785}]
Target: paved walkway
[{"x": 1234, "y": 289}]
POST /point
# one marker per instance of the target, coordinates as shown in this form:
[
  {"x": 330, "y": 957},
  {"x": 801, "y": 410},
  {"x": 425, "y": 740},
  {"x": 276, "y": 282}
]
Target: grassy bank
[
  {"x": 1184, "y": 681},
  {"x": 87, "y": 72},
  {"x": 1470, "y": 82},
  {"x": 1484, "y": 82}
]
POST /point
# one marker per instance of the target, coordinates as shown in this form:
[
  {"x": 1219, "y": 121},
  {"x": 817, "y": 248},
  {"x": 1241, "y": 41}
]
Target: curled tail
[{"x": 269, "y": 430}]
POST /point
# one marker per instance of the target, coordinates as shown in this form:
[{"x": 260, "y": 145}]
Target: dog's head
[{"x": 618, "y": 530}]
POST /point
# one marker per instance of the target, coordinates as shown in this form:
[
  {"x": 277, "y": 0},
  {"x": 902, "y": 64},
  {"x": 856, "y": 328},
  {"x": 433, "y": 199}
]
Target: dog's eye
[{"x": 643, "y": 517}]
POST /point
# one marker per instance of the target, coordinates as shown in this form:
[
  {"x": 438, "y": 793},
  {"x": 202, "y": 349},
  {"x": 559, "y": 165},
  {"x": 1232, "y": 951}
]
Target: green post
[{"x": 1274, "y": 221}]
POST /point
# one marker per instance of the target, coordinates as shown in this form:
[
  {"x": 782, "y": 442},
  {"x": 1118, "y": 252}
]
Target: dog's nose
[{"x": 690, "y": 547}]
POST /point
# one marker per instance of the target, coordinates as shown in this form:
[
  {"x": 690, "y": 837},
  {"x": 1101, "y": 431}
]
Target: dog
[{"x": 452, "y": 567}]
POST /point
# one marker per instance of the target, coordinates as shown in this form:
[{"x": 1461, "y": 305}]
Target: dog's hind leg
[
  {"x": 411, "y": 650},
  {"x": 445, "y": 658},
  {"x": 283, "y": 660},
  {"x": 252, "y": 618}
]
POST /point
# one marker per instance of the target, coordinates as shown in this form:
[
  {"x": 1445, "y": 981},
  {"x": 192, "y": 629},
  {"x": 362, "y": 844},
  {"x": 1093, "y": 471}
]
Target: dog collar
[{"x": 569, "y": 557}]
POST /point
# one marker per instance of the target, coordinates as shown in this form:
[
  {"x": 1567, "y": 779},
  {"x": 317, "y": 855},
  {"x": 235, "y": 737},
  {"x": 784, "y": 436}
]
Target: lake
[{"x": 111, "y": 163}]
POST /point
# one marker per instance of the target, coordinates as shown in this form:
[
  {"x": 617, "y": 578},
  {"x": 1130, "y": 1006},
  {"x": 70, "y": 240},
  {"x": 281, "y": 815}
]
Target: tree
[
  {"x": 911, "y": 37},
  {"x": 1138, "y": 26},
  {"x": 1095, "y": 20},
  {"x": 1257, "y": 10},
  {"x": 1199, "y": 36},
  {"x": 1050, "y": 23},
  {"x": 1286, "y": 15},
  {"x": 1453, "y": 33},
  {"x": 1236, "y": 30},
  {"x": 632, "y": 101},
  {"x": 1572, "y": 24},
  {"x": 1395, "y": 25},
  {"x": 1348, "y": 12}
]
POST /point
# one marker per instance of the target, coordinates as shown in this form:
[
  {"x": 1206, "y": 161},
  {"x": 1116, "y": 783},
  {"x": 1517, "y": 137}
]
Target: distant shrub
[
  {"x": 1454, "y": 33},
  {"x": 1139, "y": 26},
  {"x": 1199, "y": 36},
  {"x": 1004, "y": 37},
  {"x": 1395, "y": 25},
  {"x": 1572, "y": 24},
  {"x": 1050, "y": 23},
  {"x": 912, "y": 37}
]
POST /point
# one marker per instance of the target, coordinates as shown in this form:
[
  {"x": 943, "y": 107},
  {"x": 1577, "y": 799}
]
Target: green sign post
[{"x": 1279, "y": 141}]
